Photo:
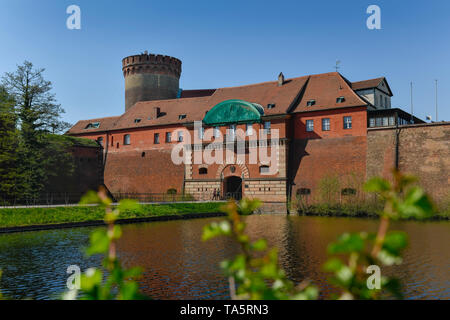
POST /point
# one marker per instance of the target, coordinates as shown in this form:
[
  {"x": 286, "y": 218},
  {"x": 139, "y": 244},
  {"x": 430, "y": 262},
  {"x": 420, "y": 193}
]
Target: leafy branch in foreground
[
  {"x": 255, "y": 270},
  {"x": 261, "y": 277},
  {"x": 120, "y": 283},
  {"x": 402, "y": 200}
]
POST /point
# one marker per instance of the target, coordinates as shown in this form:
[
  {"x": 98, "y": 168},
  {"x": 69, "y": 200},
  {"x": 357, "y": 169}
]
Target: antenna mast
[
  {"x": 412, "y": 110},
  {"x": 436, "y": 100},
  {"x": 338, "y": 62}
]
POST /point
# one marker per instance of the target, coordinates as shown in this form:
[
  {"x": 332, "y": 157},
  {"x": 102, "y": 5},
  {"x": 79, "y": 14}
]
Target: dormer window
[
  {"x": 340, "y": 99},
  {"x": 181, "y": 117},
  {"x": 271, "y": 106},
  {"x": 310, "y": 103},
  {"x": 137, "y": 120},
  {"x": 93, "y": 125}
]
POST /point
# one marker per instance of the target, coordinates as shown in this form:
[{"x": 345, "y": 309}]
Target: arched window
[{"x": 202, "y": 171}]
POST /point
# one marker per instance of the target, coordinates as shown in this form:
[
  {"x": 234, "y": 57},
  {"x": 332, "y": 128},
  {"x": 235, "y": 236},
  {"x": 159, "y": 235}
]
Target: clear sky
[{"x": 229, "y": 43}]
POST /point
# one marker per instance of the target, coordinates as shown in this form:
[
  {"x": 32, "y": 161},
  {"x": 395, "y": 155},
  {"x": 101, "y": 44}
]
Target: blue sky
[{"x": 229, "y": 43}]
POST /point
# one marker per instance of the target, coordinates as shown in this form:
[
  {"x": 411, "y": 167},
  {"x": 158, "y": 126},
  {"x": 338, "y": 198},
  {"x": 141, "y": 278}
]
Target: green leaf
[
  {"x": 389, "y": 259},
  {"x": 115, "y": 234},
  {"x": 377, "y": 184},
  {"x": 216, "y": 229},
  {"x": 347, "y": 243},
  {"x": 129, "y": 291},
  {"x": 395, "y": 241},
  {"x": 91, "y": 197},
  {"x": 247, "y": 206},
  {"x": 416, "y": 204},
  {"x": 259, "y": 245},
  {"x": 344, "y": 275},
  {"x": 91, "y": 278},
  {"x": 99, "y": 242},
  {"x": 132, "y": 273},
  {"x": 333, "y": 265}
]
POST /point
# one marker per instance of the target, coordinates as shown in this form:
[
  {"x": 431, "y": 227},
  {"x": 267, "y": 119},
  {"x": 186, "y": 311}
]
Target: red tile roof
[
  {"x": 106, "y": 124},
  {"x": 196, "y": 93},
  {"x": 371, "y": 83},
  {"x": 292, "y": 96},
  {"x": 366, "y": 84},
  {"x": 324, "y": 89}
]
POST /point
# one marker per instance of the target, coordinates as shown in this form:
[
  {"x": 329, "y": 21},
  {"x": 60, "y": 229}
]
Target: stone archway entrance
[{"x": 232, "y": 188}]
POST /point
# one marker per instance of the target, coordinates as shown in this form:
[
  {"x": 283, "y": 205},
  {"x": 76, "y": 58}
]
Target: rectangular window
[
  {"x": 126, "y": 139},
  {"x": 264, "y": 169},
  {"x": 379, "y": 122},
  {"x": 385, "y": 121},
  {"x": 168, "y": 136},
  {"x": 326, "y": 124},
  {"x": 216, "y": 132},
  {"x": 156, "y": 138},
  {"x": 232, "y": 130},
  {"x": 391, "y": 121},
  {"x": 249, "y": 129},
  {"x": 267, "y": 127},
  {"x": 347, "y": 122},
  {"x": 201, "y": 133},
  {"x": 372, "y": 122},
  {"x": 180, "y": 136},
  {"x": 309, "y": 125}
]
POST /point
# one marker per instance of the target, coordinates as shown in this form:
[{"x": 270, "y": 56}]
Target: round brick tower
[{"x": 150, "y": 77}]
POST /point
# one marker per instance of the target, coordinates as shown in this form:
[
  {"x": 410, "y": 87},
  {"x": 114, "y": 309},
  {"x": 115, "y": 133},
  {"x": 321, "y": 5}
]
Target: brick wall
[
  {"x": 336, "y": 116},
  {"x": 424, "y": 151},
  {"x": 335, "y": 154},
  {"x": 143, "y": 171},
  {"x": 312, "y": 160}
]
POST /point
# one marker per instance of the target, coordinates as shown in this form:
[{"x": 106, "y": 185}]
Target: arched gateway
[
  {"x": 232, "y": 187},
  {"x": 236, "y": 171}
]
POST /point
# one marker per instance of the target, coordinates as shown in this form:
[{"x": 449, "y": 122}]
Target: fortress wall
[
  {"x": 424, "y": 151},
  {"x": 312, "y": 161},
  {"x": 131, "y": 172}
]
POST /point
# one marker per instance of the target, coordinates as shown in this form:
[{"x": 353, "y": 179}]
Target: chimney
[
  {"x": 156, "y": 111},
  {"x": 280, "y": 79}
]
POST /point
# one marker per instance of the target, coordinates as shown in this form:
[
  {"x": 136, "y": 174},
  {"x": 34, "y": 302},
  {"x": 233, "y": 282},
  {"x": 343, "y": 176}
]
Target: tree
[
  {"x": 37, "y": 115},
  {"x": 35, "y": 104},
  {"x": 8, "y": 146}
]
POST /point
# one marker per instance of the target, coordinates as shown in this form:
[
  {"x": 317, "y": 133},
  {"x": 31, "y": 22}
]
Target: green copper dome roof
[{"x": 233, "y": 111}]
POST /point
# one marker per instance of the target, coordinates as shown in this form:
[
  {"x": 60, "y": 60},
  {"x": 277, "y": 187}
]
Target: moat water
[{"x": 178, "y": 265}]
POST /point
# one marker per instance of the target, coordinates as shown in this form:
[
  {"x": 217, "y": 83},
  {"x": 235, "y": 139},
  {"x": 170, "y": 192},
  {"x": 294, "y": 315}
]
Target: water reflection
[{"x": 178, "y": 265}]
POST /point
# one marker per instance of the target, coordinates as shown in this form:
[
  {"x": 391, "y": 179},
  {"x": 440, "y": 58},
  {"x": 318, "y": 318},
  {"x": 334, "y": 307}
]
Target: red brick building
[{"x": 322, "y": 122}]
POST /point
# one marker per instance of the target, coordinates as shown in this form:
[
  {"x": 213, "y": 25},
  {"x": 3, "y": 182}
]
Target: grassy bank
[
  {"x": 357, "y": 210},
  {"x": 41, "y": 216}
]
